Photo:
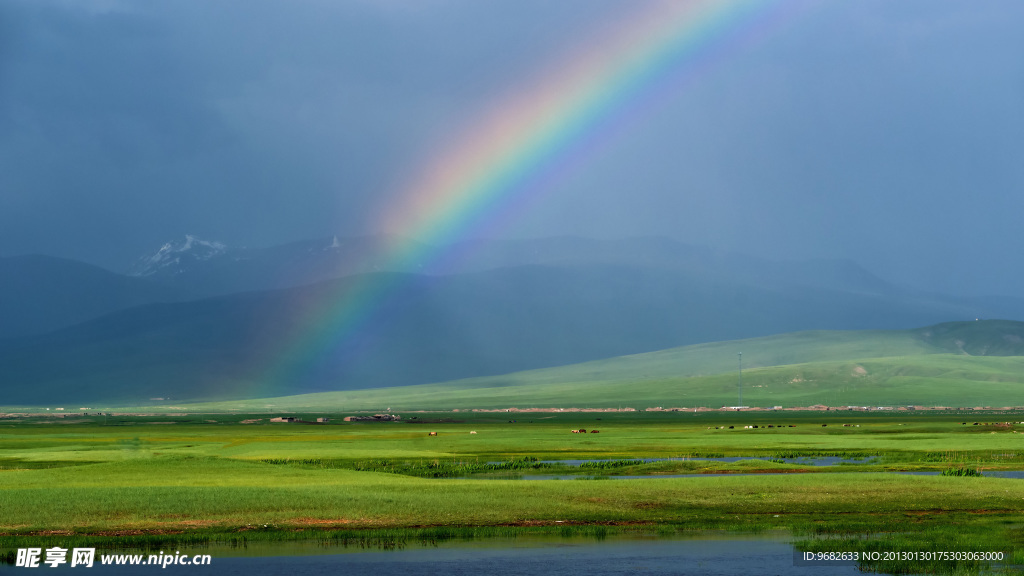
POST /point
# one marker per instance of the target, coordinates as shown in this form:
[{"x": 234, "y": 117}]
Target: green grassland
[
  {"x": 962, "y": 364},
  {"x": 211, "y": 476}
]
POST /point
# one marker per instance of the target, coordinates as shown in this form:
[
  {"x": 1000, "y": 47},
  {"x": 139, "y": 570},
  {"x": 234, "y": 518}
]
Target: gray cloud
[{"x": 890, "y": 133}]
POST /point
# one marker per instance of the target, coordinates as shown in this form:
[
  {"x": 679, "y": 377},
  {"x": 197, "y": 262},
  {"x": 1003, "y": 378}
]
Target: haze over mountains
[
  {"x": 79, "y": 333},
  {"x": 211, "y": 268},
  {"x": 39, "y": 294}
]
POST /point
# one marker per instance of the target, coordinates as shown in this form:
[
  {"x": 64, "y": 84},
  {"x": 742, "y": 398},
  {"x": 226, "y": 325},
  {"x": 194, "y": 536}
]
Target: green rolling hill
[
  {"x": 443, "y": 328},
  {"x": 953, "y": 364}
]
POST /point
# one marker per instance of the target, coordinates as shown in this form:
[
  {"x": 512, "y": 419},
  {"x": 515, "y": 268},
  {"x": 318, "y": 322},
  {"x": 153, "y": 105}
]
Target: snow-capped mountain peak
[{"x": 172, "y": 258}]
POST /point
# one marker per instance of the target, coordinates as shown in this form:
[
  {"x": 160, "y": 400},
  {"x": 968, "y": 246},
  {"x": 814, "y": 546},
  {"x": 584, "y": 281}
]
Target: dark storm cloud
[
  {"x": 104, "y": 114},
  {"x": 254, "y": 122},
  {"x": 888, "y": 133}
]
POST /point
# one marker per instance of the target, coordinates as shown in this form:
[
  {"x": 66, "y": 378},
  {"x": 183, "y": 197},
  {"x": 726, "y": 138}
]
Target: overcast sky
[{"x": 890, "y": 133}]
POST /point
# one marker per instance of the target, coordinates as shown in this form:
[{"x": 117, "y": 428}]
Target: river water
[
  {"x": 805, "y": 460},
  {"x": 715, "y": 555}
]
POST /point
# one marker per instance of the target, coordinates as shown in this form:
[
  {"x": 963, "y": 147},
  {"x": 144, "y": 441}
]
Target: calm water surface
[
  {"x": 807, "y": 461},
  {"x": 1018, "y": 474},
  {"x": 712, "y": 556}
]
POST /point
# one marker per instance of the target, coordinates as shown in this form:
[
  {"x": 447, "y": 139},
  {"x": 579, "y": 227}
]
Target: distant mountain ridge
[
  {"x": 664, "y": 253},
  {"x": 212, "y": 268},
  {"x": 484, "y": 308},
  {"x": 435, "y": 328},
  {"x": 39, "y": 294},
  {"x": 173, "y": 258},
  {"x": 40, "y": 298}
]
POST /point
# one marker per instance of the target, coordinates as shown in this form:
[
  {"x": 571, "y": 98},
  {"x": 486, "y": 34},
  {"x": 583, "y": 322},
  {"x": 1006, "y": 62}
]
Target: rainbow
[{"x": 523, "y": 143}]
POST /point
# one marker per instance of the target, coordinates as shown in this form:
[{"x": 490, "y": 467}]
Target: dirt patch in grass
[
  {"x": 529, "y": 523},
  {"x": 115, "y": 533},
  {"x": 190, "y": 523},
  {"x": 318, "y": 522}
]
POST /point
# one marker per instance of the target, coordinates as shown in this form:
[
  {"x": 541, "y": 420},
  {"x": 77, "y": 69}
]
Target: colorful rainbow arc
[{"x": 524, "y": 139}]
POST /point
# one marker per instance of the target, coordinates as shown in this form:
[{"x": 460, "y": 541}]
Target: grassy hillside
[
  {"x": 429, "y": 329},
  {"x": 931, "y": 380},
  {"x": 800, "y": 369},
  {"x": 980, "y": 338}
]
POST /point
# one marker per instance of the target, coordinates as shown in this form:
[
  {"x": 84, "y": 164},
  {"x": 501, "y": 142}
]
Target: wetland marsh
[{"x": 205, "y": 479}]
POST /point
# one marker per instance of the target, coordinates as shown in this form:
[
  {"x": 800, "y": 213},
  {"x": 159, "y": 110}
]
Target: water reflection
[
  {"x": 1018, "y": 474},
  {"x": 713, "y": 555},
  {"x": 645, "y": 477},
  {"x": 804, "y": 460}
]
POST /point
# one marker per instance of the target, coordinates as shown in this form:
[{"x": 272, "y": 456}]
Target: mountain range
[
  {"x": 39, "y": 294},
  {"x": 496, "y": 307},
  {"x": 213, "y": 268}
]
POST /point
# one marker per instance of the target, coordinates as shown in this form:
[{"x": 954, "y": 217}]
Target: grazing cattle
[
  {"x": 730, "y": 427},
  {"x": 432, "y": 434},
  {"x": 824, "y": 425},
  {"x": 583, "y": 430},
  {"x": 575, "y": 431},
  {"x": 594, "y": 431},
  {"x": 472, "y": 432}
]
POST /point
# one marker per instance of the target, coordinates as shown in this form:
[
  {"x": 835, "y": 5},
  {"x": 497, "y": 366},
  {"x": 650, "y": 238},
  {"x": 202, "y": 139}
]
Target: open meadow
[{"x": 122, "y": 480}]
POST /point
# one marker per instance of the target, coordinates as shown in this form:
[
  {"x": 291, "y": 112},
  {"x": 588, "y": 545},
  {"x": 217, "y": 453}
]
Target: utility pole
[{"x": 740, "y": 384}]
